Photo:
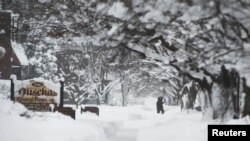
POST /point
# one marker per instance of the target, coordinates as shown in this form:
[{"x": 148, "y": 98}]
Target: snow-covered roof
[{"x": 19, "y": 51}]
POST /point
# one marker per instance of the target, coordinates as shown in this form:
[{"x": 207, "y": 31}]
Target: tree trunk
[
  {"x": 246, "y": 90},
  {"x": 107, "y": 98},
  {"x": 125, "y": 91}
]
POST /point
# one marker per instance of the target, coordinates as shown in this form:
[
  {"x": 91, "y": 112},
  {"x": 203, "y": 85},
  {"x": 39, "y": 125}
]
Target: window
[{"x": 15, "y": 70}]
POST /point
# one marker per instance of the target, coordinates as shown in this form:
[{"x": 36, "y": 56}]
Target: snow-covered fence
[
  {"x": 66, "y": 111},
  {"x": 91, "y": 109}
]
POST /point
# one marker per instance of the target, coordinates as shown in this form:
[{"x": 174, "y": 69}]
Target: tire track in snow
[{"x": 115, "y": 132}]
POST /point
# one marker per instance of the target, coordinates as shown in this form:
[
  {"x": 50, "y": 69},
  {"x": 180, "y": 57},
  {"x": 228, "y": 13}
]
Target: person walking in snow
[{"x": 159, "y": 105}]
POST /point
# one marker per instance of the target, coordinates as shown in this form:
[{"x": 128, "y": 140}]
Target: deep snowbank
[
  {"x": 132, "y": 123},
  {"x": 43, "y": 126}
]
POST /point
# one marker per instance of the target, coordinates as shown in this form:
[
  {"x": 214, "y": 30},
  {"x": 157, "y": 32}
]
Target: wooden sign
[{"x": 37, "y": 96}]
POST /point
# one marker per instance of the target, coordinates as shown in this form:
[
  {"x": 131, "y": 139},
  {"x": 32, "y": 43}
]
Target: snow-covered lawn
[{"x": 132, "y": 123}]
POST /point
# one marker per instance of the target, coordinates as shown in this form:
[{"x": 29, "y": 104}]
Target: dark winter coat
[{"x": 159, "y": 105}]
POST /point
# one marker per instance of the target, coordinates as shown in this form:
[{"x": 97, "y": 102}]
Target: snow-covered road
[
  {"x": 131, "y": 123},
  {"x": 141, "y": 123}
]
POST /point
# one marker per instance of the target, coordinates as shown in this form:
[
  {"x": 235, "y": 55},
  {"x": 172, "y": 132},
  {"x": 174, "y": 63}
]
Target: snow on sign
[{"x": 37, "y": 95}]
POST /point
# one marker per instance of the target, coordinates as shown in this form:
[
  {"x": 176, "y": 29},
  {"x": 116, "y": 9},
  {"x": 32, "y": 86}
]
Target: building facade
[{"x": 14, "y": 60}]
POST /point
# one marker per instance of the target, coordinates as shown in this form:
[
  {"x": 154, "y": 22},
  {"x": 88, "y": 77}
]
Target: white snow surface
[
  {"x": 115, "y": 123},
  {"x": 132, "y": 123},
  {"x": 2, "y": 51},
  {"x": 113, "y": 29},
  {"x": 19, "y": 51},
  {"x": 44, "y": 1},
  {"x": 118, "y": 10},
  {"x": 155, "y": 15},
  {"x": 2, "y": 31}
]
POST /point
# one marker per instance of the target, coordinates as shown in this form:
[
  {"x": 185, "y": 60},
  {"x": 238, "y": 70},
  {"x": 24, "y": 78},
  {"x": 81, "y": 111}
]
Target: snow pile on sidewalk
[
  {"x": 18, "y": 124},
  {"x": 131, "y": 123},
  {"x": 43, "y": 126}
]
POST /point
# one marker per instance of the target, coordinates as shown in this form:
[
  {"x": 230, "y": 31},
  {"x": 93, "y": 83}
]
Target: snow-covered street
[
  {"x": 141, "y": 123},
  {"x": 131, "y": 123}
]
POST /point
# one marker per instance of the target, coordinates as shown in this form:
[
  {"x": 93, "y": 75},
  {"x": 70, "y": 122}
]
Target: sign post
[
  {"x": 61, "y": 93},
  {"x": 12, "y": 88}
]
